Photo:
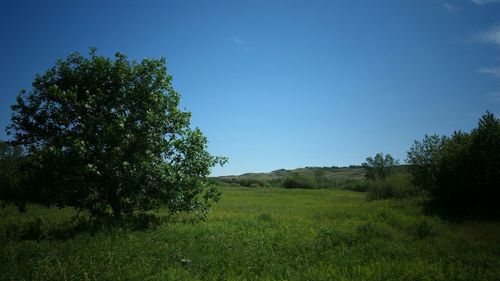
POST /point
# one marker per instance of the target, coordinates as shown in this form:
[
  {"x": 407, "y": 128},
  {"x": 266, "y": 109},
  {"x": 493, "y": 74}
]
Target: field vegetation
[{"x": 255, "y": 234}]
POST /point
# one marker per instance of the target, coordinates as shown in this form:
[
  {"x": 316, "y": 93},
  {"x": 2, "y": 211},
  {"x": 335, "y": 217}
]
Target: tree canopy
[
  {"x": 379, "y": 167},
  {"x": 461, "y": 172},
  {"x": 10, "y": 161},
  {"x": 104, "y": 133}
]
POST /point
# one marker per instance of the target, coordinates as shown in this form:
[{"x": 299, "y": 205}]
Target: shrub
[
  {"x": 396, "y": 186},
  {"x": 250, "y": 182},
  {"x": 34, "y": 230},
  {"x": 298, "y": 181},
  {"x": 356, "y": 185},
  {"x": 424, "y": 228}
]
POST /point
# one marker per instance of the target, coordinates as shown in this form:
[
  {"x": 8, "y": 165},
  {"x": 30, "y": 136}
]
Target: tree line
[{"x": 459, "y": 173}]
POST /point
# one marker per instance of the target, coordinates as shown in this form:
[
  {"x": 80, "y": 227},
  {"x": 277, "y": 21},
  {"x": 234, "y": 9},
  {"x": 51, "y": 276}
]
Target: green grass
[{"x": 264, "y": 234}]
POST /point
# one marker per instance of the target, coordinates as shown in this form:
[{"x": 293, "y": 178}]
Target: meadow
[{"x": 258, "y": 234}]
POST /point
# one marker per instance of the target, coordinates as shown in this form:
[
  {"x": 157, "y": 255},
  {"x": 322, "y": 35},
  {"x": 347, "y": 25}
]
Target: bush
[
  {"x": 424, "y": 228},
  {"x": 244, "y": 182},
  {"x": 395, "y": 186},
  {"x": 251, "y": 183},
  {"x": 34, "y": 230},
  {"x": 356, "y": 185},
  {"x": 298, "y": 181}
]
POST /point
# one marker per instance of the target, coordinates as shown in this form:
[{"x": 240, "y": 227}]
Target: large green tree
[
  {"x": 461, "y": 172},
  {"x": 107, "y": 134}
]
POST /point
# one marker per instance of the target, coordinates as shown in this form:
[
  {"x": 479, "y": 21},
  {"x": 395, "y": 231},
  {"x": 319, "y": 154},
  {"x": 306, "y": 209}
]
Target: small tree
[
  {"x": 103, "y": 133},
  {"x": 422, "y": 159},
  {"x": 379, "y": 167}
]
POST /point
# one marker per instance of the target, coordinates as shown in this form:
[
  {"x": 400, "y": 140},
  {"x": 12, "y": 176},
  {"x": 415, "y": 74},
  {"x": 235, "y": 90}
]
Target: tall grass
[{"x": 257, "y": 234}]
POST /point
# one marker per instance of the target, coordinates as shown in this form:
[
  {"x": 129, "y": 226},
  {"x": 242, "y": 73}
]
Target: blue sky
[{"x": 284, "y": 84}]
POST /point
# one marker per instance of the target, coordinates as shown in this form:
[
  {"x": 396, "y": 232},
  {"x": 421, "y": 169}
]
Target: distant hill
[
  {"x": 308, "y": 177},
  {"x": 329, "y": 172}
]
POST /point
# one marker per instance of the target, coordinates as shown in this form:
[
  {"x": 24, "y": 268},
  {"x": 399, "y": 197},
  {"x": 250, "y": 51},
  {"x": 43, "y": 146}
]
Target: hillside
[
  {"x": 329, "y": 172},
  {"x": 309, "y": 176}
]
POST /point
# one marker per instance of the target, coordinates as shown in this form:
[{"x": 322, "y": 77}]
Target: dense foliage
[
  {"x": 422, "y": 158},
  {"x": 105, "y": 133},
  {"x": 11, "y": 158},
  {"x": 299, "y": 181},
  {"x": 461, "y": 172},
  {"x": 379, "y": 167}
]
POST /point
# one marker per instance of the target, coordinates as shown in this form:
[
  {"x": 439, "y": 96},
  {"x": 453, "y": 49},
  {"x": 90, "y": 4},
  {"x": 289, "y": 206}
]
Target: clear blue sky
[{"x": 284, "y": 84}]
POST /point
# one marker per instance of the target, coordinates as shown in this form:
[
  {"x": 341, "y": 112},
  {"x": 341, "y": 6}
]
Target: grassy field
[{"x": 263, "y": 234}]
